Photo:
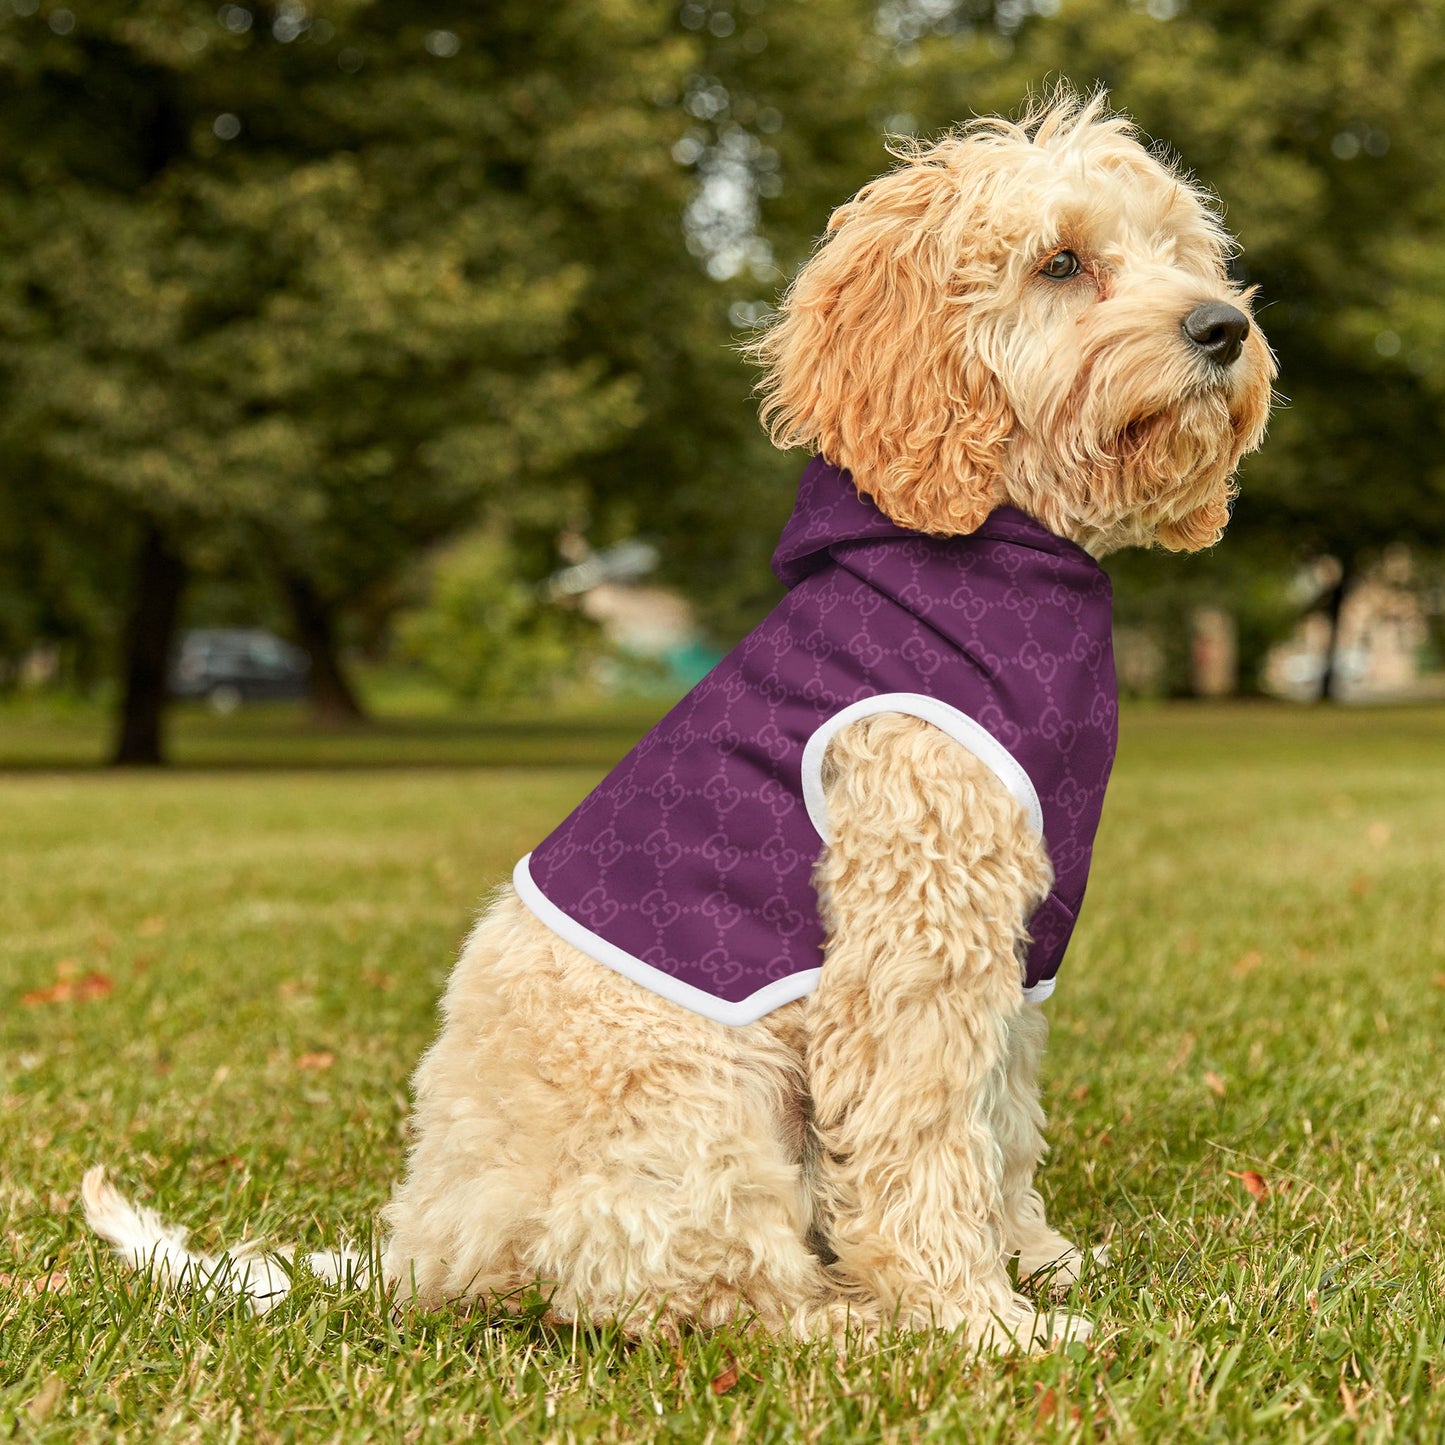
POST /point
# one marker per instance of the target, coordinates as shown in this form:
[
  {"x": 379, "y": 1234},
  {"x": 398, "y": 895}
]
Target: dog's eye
[{"x": 1060, "y": 266}]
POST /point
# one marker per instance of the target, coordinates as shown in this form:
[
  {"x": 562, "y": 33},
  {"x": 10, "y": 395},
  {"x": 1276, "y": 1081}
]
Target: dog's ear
[{"x": 873, "y": 358}]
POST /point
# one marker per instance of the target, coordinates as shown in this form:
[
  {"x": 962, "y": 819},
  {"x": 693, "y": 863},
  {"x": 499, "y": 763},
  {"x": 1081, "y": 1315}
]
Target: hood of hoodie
[{"x": 832, "y": 522}]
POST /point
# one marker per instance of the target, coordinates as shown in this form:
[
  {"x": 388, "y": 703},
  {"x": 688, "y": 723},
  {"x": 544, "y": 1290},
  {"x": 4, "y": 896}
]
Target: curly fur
[
  {"x": 644, "y": 1163},
  {"x": 921, "y": 348},
  {"x": 865, "y": 1156}
]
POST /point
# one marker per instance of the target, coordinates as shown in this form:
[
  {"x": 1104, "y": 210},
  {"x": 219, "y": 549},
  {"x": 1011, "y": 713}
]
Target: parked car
[{"x": 230, "y": 665}]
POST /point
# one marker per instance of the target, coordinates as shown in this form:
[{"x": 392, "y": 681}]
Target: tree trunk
[
  {"x": 1329, "y": 677},
  {"x": 333, "y": 699},
  {"x": 160, "y": 578}
]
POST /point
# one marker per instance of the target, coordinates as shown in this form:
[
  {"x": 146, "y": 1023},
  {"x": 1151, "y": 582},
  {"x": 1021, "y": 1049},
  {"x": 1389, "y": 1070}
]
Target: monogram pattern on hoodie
[{"x": 695, "y": 854}]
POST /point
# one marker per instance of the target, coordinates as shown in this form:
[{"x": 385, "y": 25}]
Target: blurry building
[
  {"x": 1382, "y": 651},
  {"x": 656, "y": 641}
]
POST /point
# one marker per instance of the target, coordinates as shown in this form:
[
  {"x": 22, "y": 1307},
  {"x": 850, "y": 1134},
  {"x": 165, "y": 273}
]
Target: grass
[
  {"x": 409, "y": 728},
  {"x": 231, "y": 972}
]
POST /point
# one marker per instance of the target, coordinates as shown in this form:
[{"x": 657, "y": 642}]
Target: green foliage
[
  {"x": 780, "y": 117},
  {"x": 302, "y": 296},
  {"x": 486, "y": 634},
  {"x": 61, "y": 572},
  {"x": 325, "y": 286}
]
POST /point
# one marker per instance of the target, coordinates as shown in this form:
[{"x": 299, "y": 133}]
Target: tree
[
  {"x": 292, "y": 283},
  {"x": 782, "y": 112}
]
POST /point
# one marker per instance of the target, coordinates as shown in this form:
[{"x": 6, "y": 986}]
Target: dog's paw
[
  {"x": 1058, "y": 1270},
  {"x": 1023, "y": 1326},
  {"x": 1059, "y": 1328}
]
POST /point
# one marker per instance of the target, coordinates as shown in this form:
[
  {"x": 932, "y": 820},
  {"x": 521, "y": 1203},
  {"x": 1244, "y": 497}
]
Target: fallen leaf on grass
[
  {"x": 377, "y": 978},
  {"x": 56, "y": 1282},
  {"x": 1440, "y": 980},
  {"x": 722, "y": 1383},
  {"x": 1248, "y": 963},
  {"x": 151, "y": 927},
  {"x": 67, "y": 990},
  {"x": 1181, "y": 1054},
  {"x": 1214, "y": 1083},
  {"x": 1360, "y": 885},
  {"x": 45, "y": 1399},
  {"x": 1046, "y": 1407},
  {"x": 1255, "y": 1184},
  {"x": 322, "y": 1059},
  {"x": 1079, "y": 1094}
]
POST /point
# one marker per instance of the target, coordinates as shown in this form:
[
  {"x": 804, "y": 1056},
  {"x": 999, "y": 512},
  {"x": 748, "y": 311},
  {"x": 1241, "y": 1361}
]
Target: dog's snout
[{"x": 1218, "y": 330}]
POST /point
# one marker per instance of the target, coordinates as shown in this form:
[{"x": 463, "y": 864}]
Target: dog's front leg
[
  {"x": 1042, "y": 1251},
  {"x": 925, "y": 886}
]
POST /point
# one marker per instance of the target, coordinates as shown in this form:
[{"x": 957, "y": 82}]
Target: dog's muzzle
[{"x": 1218, "y": 330}]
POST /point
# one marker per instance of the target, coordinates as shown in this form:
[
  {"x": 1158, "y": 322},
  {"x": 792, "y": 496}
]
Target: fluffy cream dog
[{"x": 1035, "y": 315}]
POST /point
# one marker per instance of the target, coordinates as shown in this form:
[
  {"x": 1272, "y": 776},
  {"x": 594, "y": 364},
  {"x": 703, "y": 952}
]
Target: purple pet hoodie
[{"x": 689, "y": 867}]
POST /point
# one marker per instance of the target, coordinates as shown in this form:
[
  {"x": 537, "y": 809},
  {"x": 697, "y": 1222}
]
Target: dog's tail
[{"x": 147, "y": 1243}]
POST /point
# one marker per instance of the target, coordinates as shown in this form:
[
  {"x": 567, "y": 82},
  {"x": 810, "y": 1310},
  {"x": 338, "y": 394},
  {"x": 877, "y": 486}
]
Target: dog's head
[{"x": 1035, "y": 313}]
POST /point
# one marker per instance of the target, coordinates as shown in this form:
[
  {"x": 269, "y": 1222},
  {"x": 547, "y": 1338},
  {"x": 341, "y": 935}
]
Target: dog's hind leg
[
  {"x": 578, "y": 1135},
  {"x": 682, "y": 1199},
  {"x": 925, "y": 886}
]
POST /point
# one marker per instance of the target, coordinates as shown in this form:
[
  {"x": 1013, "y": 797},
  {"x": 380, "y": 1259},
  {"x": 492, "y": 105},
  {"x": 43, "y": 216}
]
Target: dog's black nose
[{"x": 1218, "y": 330}]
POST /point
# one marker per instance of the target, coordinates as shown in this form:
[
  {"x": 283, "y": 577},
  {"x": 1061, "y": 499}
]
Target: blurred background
[{"x": 361, "y": 362}]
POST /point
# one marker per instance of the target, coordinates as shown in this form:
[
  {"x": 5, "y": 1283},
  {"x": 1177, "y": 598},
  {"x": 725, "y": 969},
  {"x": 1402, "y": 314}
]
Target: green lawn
[
  {"x": 409, "y": 730},
  {"x": 252, "y": 957}
]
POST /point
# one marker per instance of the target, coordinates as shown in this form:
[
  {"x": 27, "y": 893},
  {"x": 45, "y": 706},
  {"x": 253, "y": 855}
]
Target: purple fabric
[{"x": 694, "y": 855}]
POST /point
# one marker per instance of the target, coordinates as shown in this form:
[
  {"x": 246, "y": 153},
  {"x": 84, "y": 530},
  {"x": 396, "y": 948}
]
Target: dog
[{"x": 756, "y": 1034}]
